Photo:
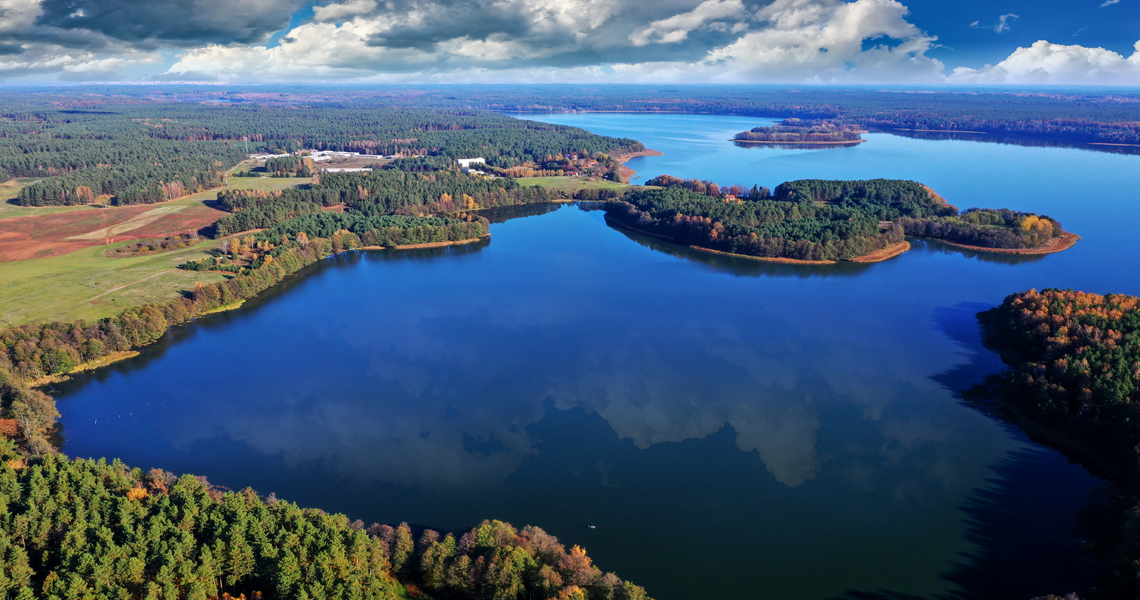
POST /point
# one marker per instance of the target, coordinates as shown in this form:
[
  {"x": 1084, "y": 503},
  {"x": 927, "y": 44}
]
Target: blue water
[{"x": 734, "y": 429}]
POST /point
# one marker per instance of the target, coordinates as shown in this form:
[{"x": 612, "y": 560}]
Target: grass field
[
  {"x": 572, "y": 184},
  {"x": 87, "y": 284}
]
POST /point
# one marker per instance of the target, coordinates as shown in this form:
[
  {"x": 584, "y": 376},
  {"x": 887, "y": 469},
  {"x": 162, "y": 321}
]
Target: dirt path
[
  {"x": 136, "y": 222},
  {"x": 126, "y": 285}
]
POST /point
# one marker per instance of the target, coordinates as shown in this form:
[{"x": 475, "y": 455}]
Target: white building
[
  {"x": 346, "y": 170},
  {"x": 467, "y": 162}
]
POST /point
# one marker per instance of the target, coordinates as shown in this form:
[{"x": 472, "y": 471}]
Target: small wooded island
[
  {"x": 1074, "y": 383},
  {"x": 818, "y": 221},
  {"x": 808, "y": 132}
]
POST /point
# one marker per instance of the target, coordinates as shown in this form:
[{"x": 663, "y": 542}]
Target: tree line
[
  {"x": 374, "y": 194},
  {"x": 708, "y": 188},
  {"x": 89, "y": 529}
]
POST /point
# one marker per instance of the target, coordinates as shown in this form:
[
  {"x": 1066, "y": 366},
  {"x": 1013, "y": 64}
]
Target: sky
[{"x": 955, "y": 42}]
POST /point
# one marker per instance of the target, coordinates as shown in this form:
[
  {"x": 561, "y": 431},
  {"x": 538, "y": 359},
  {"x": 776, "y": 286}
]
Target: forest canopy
[
  {"x": 87, "y": 529},
  {"x": 122, "y": 150}
]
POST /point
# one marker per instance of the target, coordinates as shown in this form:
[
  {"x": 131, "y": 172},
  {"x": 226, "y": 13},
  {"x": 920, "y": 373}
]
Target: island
[
  {"x": 807, "y": 132},
  {"x": 822, "y": 222}
]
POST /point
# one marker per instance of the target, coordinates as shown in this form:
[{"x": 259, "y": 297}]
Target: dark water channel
[{"x": 734, "y": 429}]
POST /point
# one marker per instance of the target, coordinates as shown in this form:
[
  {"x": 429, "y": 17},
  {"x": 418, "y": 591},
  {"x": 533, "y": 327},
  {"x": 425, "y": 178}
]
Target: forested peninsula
[
  {"x": 89, "y": 530},
  {"x": 1073, "y": 382},
  {"x": 823, "y": 221}
]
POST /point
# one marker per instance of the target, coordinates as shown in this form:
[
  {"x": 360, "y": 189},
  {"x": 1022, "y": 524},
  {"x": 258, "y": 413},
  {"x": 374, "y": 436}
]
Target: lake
[{"x": 733, "y": 429}]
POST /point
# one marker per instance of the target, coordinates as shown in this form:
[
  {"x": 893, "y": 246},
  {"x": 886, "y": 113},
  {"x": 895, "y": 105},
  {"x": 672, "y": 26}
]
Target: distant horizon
[{"x": 933, "y": 87}]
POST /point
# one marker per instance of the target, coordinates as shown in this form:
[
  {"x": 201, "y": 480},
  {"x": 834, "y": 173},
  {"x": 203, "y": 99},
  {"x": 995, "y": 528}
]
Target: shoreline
[
  {"x": 942, "y": 131},
  {"x": 84, "y": 367},
  {"x": 883, "y": 253},
  {"x": 424, "y": 245},
  {"x": 625, "y": 172},
  {"x": 773, "y": 142},
  {"x": 771, "y": 259},
  {"x": 1066, "y": 241},
  {"x": 121, "y": 356}
]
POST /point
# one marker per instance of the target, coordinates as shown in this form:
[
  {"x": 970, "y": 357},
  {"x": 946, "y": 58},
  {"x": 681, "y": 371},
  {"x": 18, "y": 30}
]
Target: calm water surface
[{"x": 734, "y": 429}]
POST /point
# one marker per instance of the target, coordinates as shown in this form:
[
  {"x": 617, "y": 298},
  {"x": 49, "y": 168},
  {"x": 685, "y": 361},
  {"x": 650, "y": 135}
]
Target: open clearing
[
  {"x": 88, "y": 285},
  {"x": 55, "y": 231},
  {"x": 572, "y": 184},
  {"x": 26, "y": 238},
  {"x": 54, "y": 267}
]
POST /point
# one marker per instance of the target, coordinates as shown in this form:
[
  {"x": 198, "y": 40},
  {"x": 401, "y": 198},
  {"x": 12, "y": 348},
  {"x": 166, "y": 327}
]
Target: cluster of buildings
[
  {"x": 327, "y": 155},
  {"x": 324, "y": 155},
  {"x": 465, "y": 165}
]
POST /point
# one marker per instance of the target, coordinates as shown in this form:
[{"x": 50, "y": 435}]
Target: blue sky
[
  {"x": 968, "y": 42},
  {"x": 1114, "y": 27}
]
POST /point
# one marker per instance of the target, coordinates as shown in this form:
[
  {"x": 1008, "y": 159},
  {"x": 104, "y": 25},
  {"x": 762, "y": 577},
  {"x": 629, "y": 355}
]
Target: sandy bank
[
  {"x": 427, "y": 245},
  {"x": 1066, "y": 241},
  {"x": 626, "y": 172},
  {"x": 883, "y": 254},
  {"x": 775, "y": 143}
]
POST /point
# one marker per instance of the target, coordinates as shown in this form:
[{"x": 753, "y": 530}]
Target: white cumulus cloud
[
  {"x": 825, "y": 41},
  {"x": 677, "y": 27},
  {"x": 1048, "y": 63},
  {"x": 336, "y": 12}
]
